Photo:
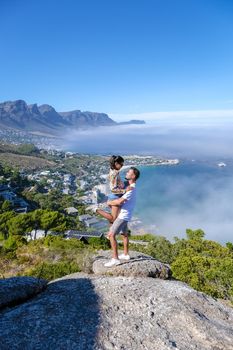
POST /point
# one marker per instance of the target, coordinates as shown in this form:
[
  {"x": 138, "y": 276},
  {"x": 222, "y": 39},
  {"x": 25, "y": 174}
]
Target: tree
[
  {"x": 1, "y": 200},
  {"x": 229, "y": 245},
  {"x": 28, "y": 148},
  {"x": 204, "y": 264},
  {"x": 20, "y": 225},
  {"x": 53, "y": 220},
  {"x": 16, "y": 179},
  {"x": 196, "y": 234},
  {"x": 160, "y": 248},
  {"x": 7, "y": 171},
  {"x": 6, "y": 206},
  {"x": 4, "y": 222},
  {"x": 36, "y": 216}
]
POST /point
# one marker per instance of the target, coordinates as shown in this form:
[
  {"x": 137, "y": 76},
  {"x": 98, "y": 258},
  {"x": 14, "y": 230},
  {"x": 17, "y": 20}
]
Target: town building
[{"x": 72, "y": 211}]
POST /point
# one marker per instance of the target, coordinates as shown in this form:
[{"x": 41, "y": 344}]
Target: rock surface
[
  {"x": 86, "y": 312},
  {"x": 139, "y": 265},
  {"x": 17, "y": 289}
]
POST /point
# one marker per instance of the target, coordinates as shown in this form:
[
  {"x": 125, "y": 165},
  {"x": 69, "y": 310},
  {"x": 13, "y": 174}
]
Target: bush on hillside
[
  {"x": 51, "y": 271},
  {"x": 205, "y": 265}
]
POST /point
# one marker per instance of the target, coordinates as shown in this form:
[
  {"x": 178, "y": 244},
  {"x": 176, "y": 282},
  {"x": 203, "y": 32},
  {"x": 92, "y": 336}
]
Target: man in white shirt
[{"x": 127, "y": 203}]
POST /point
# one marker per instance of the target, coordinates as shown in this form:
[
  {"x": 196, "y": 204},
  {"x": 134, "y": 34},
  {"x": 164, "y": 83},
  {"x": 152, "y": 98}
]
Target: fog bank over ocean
[
  {"x": 195, "y": 194},
  {"x": 191, "y": 195},
  {"x": 170, "y": 136}
]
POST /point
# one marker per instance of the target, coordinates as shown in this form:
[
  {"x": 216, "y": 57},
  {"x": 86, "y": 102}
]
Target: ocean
[{"x": 194, "y": 194}]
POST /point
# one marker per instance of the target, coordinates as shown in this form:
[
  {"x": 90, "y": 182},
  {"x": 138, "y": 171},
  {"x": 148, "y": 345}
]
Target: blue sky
[{"x": 119, "y": 57}]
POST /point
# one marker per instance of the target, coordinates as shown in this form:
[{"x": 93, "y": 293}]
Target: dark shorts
[{"x": 119, "y": 226}]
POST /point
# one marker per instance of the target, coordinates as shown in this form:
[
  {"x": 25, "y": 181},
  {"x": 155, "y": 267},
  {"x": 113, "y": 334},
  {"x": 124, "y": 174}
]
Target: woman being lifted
[{"x": 117, "y": 188}]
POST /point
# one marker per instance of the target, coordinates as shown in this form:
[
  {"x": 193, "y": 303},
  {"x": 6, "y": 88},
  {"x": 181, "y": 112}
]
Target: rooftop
[
  {"x": 84, "y": 234},
  {"x": 71, "y": 210}
]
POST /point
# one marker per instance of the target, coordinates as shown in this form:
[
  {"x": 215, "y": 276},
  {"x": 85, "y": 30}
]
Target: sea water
[{"x": 194, "y": 194}]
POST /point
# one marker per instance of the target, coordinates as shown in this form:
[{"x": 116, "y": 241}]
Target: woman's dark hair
[{"x": 115, "y": 159}]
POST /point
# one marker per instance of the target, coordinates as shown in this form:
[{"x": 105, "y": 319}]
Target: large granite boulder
[
  {"x": 14, "y": 290},
  {"x": 90, "y": 312},
  {"x": 140, "y": 265}
]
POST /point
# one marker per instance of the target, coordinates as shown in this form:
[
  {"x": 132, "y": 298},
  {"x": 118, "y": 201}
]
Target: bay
[{"x": 194, "y": 194}]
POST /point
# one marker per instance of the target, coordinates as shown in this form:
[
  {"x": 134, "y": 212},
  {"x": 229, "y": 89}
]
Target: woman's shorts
[{"x": 113, "y": 196}]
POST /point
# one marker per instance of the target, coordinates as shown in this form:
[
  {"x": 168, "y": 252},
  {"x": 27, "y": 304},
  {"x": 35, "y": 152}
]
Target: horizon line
[{"x": 200, "y": 113}]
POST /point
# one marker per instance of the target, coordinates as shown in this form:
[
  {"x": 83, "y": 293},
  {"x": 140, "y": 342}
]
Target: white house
[{"x": 71, "y": 211}]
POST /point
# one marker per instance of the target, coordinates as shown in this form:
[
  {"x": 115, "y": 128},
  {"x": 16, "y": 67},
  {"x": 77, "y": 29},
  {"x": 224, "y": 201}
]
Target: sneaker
[
  {"x": 112, "y": 262},
  {"x": 124, "y": 257},
  {"x": 94, "y": 208}
]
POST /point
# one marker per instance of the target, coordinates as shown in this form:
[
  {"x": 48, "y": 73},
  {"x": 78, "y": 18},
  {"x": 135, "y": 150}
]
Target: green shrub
[
  {"x": 10, "y": 244},
  {"x": 28, "y": 149},
  {"x": 57, "y": 242},
  {"x": 51, "y": 271},
  {"x": 99, "y": 243},
  {"x": 146, "y": 238},
  {"x": 205, "y": 265},
  {"x": 160, "y": 248}
]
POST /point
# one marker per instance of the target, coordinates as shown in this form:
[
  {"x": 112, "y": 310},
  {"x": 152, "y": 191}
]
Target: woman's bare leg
[
  {"x": 115, "y": 212},
  {"x": 110, "y": 217},
  {"x": 106, "y": 215}
]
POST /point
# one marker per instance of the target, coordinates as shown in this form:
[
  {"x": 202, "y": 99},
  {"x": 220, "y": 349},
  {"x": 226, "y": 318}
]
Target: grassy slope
[
  {"x": 26, "y": 162},
  {"x": 9, "y": 155}
]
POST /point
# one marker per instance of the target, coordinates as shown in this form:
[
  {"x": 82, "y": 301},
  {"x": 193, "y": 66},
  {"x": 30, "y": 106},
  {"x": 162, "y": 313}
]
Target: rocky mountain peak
[
  {"x": 14, "y": 106},
  {"x": 45, "y": 108},
  {"x": 33, "y": 108}
]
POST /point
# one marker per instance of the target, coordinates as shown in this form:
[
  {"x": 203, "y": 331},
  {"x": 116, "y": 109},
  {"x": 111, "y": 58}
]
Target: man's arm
[
  {"x": 121, "y": 200},
  {"x": 117, "y": 202}
]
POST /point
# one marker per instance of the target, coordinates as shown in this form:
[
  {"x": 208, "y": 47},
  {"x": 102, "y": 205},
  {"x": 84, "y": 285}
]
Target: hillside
[
  {"x": 25, "y": 156},
  {"x": 24, "y": 162}
]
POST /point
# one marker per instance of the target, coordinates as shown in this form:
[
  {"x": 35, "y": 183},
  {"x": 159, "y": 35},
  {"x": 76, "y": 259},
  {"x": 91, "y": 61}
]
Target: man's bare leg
[
  {"x": 126, "y": 243},
  {"x": 113, "y": 242}
]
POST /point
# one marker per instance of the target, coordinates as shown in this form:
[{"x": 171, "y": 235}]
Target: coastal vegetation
[{"x": 205, "y": 265}]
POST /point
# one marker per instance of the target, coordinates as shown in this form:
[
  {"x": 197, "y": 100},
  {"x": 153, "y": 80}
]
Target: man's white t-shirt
[{"x": 128, "y": 206}]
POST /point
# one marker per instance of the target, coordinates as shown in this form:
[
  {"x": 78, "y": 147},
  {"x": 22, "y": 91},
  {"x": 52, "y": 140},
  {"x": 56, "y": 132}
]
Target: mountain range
[{"x": 45, "y": 119}]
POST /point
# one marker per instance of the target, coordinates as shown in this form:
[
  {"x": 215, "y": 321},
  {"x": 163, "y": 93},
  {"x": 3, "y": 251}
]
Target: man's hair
[
  {"x": 136, "y": 172},
  {"x": 115, "y": 159}
]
